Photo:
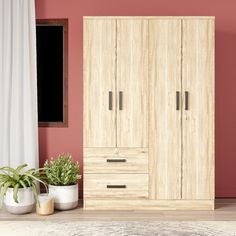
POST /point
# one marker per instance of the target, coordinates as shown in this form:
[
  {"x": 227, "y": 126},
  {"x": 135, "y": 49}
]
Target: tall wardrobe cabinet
[{"x": 149, "y": 113}]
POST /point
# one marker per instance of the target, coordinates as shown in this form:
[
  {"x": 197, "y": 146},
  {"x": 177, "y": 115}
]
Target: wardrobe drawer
[
  {"x": 131, "y": 186},
  {"x": 115, "y": 160}
]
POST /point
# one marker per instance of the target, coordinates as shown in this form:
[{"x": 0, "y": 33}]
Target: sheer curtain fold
[{"x": 18, "y": 84}]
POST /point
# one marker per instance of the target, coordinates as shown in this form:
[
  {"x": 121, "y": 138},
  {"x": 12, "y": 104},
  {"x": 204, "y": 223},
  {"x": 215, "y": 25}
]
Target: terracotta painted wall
[{"x": 56, "y": 140}]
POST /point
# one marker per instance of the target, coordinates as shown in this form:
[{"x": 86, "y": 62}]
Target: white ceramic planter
[
  {"x": 25, "y": 199},
  {"x": 65, "y": 197}
]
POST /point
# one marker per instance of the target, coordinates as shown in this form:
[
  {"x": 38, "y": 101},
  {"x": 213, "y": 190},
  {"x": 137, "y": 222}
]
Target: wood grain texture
[
  {"x": 99, "y": 78},
  {"x": 198, "y": 121},
  {"x": 150, "y": 17},
  {"x": 96, "y": 160},
  {"x": 116, "y": 204},
  {"x": 132, "y": 80},
  {"x": 164, "y": 119},
  {"x": 146, "y": 67},
  {"x": 96, "y": 186}
]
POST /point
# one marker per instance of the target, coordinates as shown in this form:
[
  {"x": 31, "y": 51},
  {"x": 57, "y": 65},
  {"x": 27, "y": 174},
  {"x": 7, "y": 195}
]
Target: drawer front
[
  {"x": 116, "y": 160},
  {"x": 116, "y": 186}
]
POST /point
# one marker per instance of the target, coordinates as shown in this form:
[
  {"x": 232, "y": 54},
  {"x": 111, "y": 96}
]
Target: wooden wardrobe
[{"x": 149, "y": 113}]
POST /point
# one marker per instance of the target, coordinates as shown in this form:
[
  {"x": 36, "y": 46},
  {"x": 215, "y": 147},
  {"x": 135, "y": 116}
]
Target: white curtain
[{"x": 18, "y": 85}]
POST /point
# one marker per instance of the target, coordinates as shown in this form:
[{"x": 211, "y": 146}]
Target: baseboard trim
[{"x": 105, "y": 204}]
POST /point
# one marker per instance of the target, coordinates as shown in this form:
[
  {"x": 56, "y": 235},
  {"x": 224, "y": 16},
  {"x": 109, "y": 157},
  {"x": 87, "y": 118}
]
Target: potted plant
[
  {"x": 19, "y": 191},
  {"x": 62, "y": 176}
]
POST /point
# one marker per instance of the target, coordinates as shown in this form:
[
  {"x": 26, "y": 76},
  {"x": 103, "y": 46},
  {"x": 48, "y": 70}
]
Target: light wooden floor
[{"x": 225, "y": 211}]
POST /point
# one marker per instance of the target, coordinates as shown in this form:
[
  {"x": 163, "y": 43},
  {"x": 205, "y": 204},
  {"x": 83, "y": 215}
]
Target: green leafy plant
[
  {"x": 13, "y": 178},
  {"x": 62, "y": 171}
]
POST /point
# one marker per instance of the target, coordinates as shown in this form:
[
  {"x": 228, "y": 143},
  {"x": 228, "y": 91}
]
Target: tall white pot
[
  {"x": 25, "y": 199},
  {"x": 65, "y": 197}
]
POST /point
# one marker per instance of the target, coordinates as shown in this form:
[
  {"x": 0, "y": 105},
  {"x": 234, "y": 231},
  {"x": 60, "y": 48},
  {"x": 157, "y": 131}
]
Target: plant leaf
[
  {"x": 22, "y": 183},
  {"x": 15, "y": 191},
  {"x": 37, "y": 179},
  {"x": 26, "y": 178},
  {"x": 35, "y": 191},
  {"x": 19, "y": 168},
  {"x": 3, "y": 191},
  {"x": 7, "y": 168}
]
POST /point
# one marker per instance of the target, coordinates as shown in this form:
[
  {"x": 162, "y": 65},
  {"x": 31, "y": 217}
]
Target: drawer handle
[
  {"x": 116, "y": 160},
  {"x": 116, "y": 186}
]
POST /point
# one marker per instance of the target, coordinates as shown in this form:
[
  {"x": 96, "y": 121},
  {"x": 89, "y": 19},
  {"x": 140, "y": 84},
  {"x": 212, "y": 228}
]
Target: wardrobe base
[{"x": 108, "y": 204}]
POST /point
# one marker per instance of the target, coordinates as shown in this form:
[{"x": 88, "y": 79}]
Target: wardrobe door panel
[
  {"x": 132, "y": 83},
  {"x": 99, "y": 83},
  {"x": 165, "y": 109},
  {"x": 198, "y": 109}
]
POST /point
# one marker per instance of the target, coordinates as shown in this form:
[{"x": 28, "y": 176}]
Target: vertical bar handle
[
  {"x": 120, "y": 100},
  {"x": 110, "y": 100},
  {"x": 177, "y": 100},
  {"x": 186, "y": 100}
]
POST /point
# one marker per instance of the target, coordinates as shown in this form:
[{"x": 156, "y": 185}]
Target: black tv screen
[{"x": 50, "y": 72}]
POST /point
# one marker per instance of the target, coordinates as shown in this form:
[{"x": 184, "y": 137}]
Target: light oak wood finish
[
  {"x": 198, "y": 120},
  {"x": 154, "y": 57},
  {"x": 99, "y": 79},
  {"x": 151, "y": 17},
  {"x": 126, "y": 160},
  {"x": 132, "y": 81},
  {"x": 113, "y": 204},
  {"x": 136, "y": 186},
  {"x": 164, "y": 119}
]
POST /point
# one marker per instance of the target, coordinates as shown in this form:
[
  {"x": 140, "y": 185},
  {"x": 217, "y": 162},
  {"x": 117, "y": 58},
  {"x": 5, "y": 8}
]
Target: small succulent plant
[{"x": 62, "y": 171}]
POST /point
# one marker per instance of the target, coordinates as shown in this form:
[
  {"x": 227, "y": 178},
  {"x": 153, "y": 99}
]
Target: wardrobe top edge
[{"x": 149, "y": 17}]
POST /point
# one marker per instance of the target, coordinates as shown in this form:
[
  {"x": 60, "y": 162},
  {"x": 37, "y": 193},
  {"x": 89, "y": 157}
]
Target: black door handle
[
  {"x": 177, "y": 100},
  {"x": 110, "y": 100},
  {"x": 120, "y": 100},
  {"x": 186, "y": 100}
]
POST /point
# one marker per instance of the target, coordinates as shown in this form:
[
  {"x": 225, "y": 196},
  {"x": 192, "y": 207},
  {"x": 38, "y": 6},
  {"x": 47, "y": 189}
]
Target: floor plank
[{"x": 225, "y": 211}]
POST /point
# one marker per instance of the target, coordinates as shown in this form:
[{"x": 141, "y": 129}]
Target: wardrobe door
[
  {"x": 99, "y": 83},
  {"x": 132, "y": 83},
  {"x": 165, "y": 109},
  {"x": 198, "y": 109}
]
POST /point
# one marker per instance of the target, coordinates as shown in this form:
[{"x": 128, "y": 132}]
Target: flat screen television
[{"x": 51, "y": 72}]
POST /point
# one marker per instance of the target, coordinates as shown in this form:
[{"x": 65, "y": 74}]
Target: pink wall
[{"x": 56, "y": 140}]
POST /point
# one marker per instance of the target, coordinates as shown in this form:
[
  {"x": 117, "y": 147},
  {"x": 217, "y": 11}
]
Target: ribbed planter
[
  {"x": 65, "y": 197},
  {"x": 25, "y": 199}
]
